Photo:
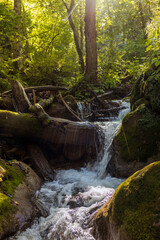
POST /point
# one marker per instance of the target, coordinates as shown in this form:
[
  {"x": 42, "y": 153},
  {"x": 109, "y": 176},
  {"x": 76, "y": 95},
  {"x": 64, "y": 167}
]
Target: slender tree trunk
[
  {"x": 17, "y": 45},
  {"x": 81, "y": 26},
  {"x": 90, "y": 38},
  {"x": 111, "y": 53},
  {"x": 142, "y": 19},
  {"x": 27, "y": 49},
  {"x": 76, "y": 38}
]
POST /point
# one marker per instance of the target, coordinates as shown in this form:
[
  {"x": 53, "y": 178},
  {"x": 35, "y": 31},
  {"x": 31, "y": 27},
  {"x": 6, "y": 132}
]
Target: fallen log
[
  {"x": 59, "y": 139},
  {"x": 39, "y": 89},
  {"x": 102, "y": 96}
]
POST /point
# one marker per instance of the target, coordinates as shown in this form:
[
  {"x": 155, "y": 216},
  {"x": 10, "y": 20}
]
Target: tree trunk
[
  {"x": 27, "y": 48},
  {"x": 17, "y": 44},
  {"x": 81, "y": 26},
  {"x": 90, "y": 38},
  {"x": 142, "y": 19},
  {"x": 75, "y": 33}
]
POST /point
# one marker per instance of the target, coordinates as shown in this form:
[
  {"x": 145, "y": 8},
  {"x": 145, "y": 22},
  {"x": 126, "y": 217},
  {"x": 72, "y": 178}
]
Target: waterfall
[
  {"x": 69, "y": 201},
  {"x": 84, "y": 109}
]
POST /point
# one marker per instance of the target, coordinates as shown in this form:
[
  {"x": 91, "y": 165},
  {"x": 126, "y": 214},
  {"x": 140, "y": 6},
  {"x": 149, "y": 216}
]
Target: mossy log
[{"x": 72, "y": 141}]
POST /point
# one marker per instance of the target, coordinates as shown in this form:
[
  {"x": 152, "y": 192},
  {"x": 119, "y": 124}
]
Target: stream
[{"x": 70, "y": 201}]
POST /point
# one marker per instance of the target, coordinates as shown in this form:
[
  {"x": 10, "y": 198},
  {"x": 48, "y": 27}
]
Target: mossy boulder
[
  {"x": 137, "y": 142},
  {"x": 18, "y": 183},
  {"x": 147, "y": 90},
  {"x": 133, "y": 212}
]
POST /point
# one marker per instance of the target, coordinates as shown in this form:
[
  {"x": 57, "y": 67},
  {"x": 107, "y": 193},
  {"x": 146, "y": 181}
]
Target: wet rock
[
  {"x": 136, "y": 144},
  {"x": 138, "y": 141},
  {"x": 75, "y": 202},
  {"x": 17, "y": 189},
  {"x": 134, "y": 210}
]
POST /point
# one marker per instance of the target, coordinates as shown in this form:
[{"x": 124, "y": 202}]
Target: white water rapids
[{"x": 75, "y": 195}]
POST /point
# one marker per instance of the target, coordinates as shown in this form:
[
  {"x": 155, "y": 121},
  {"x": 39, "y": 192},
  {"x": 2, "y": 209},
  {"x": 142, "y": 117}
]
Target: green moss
[
  {"x": 139, "y": 135},
  {"x": 20, "y": 124},
  {"x": 135, "y": 203},
  {"x": 6, "y": 211},
  {"x": 147, "y": 87},
  {"x": 11, "y": 177}
]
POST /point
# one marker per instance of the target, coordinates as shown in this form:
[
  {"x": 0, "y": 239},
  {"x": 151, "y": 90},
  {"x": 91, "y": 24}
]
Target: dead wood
[
  {"x": 23, "y": 105},
  {"x": 21, "y": 100},
  {"x": 102, "y": 96},
  {"x": 71, "y": 141},
  {"x": 69, "y": 109},
  {"x": 39, "y": 89},
  {"x": 46, "y": 102},
  {"x": 40, "y": 163},
  {"x": 56, "y": 137}
]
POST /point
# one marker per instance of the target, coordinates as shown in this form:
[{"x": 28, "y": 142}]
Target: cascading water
[
  {"x": 84, "y": 109},
  {"x": 70, "y": 201}
]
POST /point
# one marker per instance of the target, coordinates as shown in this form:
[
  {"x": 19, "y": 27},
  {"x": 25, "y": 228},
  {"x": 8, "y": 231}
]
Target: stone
[
  {"x": 17, "y": 207},
  {"x": 133, "y": 212},
  {"x": 136, "y": 144}
]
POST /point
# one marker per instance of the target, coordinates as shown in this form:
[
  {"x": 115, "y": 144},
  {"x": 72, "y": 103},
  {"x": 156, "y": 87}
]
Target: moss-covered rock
[
  {"x": 133, "y": 213},
  {"x": 136, "y": 143},
  {"x": 18, "y": 183},
  {"x": 147, "y": 88}
]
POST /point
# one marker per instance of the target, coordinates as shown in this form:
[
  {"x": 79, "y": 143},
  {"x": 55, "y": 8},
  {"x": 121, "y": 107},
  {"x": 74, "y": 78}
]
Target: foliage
[{"x": 127, "y": 38}]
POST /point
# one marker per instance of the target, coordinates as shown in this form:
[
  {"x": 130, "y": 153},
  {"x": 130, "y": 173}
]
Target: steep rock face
[
  {"x": 18, "y": 184},
  {"x": 133, "y": 212},
  {"x": 138, "y": 141}
]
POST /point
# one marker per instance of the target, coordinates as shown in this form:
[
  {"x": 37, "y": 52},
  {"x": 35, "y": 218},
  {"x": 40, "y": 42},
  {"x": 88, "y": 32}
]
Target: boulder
[
  {"x": 18, "y": 184},
  {"x": 137, "y": 142},
  {"x": 133, "y": 212}
]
